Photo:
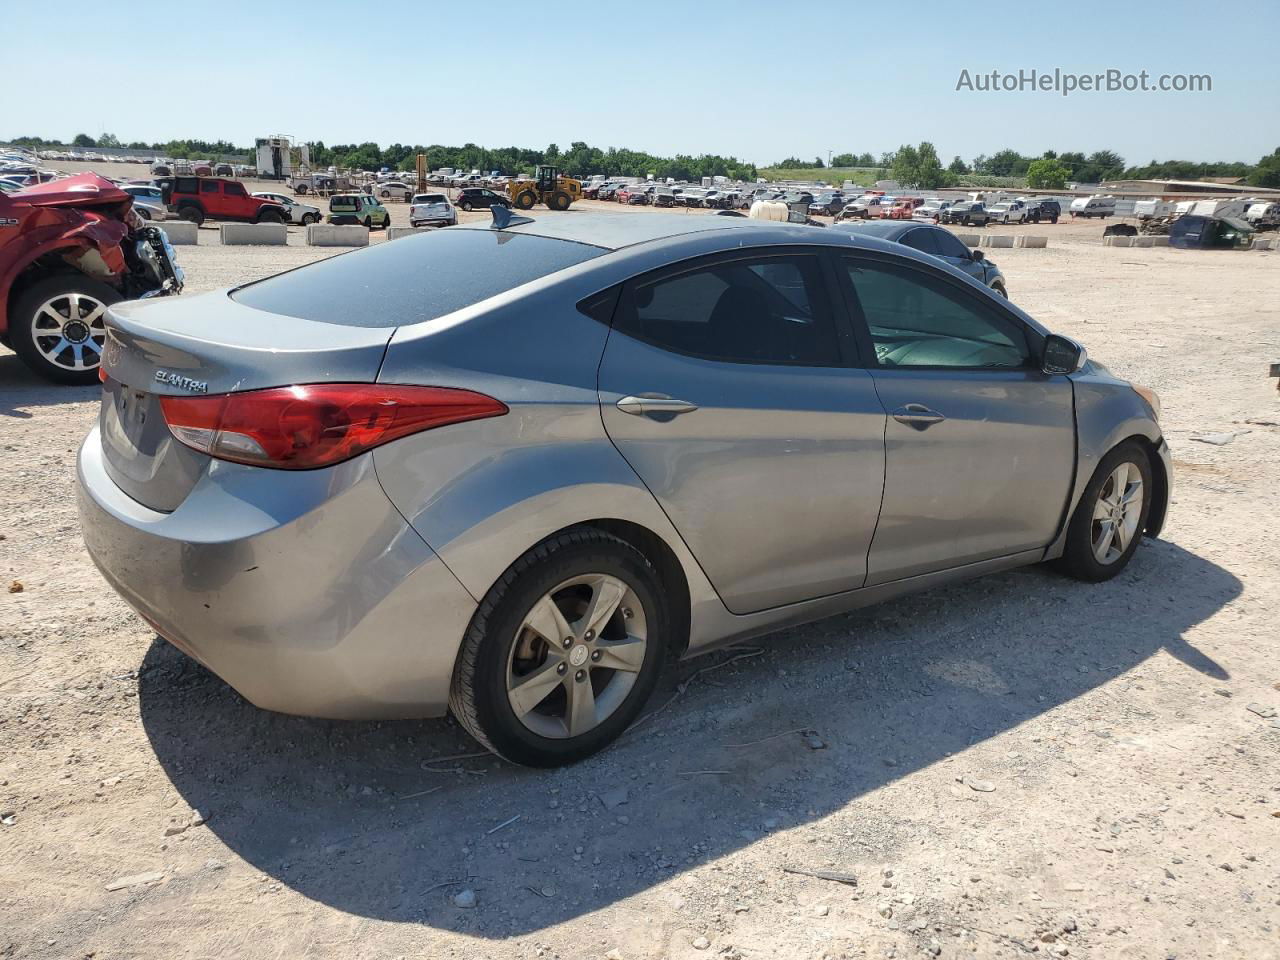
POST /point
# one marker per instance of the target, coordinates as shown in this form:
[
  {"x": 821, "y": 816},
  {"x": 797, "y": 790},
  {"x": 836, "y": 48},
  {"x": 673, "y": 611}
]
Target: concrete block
[
  {"x": 1036, "y": 243},
  {"x": 395, "y": 233},
  {"x": 180, "y": 233},
  {"x": 1160, "y": 241},
  {"x": 1143, "y": 242},
  {"x": 969, "y": 239},
  {"x": 341, "y": 235},
  {"x": 1261, "y": 243},
  {"x": 997, "y": 240},
  {"x": 242, "y": 234},
  {"x": 1117, "y": 241}
]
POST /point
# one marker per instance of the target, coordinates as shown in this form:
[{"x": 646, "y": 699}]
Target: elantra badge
[{"x": 181, "y": 382}]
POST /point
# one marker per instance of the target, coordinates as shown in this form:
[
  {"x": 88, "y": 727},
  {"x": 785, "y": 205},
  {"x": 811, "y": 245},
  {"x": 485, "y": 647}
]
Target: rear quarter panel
[{"x": 482, "y": 493}]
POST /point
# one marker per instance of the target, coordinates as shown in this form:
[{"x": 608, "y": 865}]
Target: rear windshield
[
  {"x": 430, "y": 198},
  {"x": 414, "y": 279},
  {"x": 343, "y": 202}
]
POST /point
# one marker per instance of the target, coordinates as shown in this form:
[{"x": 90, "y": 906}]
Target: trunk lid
[{"x": 207, "y": 344}]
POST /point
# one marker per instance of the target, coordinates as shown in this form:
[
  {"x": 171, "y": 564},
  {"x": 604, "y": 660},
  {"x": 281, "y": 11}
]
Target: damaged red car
[{"x": 68, "y": 250}]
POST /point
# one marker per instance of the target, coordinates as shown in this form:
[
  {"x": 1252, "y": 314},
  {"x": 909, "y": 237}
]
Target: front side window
[
  {"x": 209, "y": 186},
  {"x": 757, "y": 310},
  {"x": 915, "y": 321},
  {"x": 234, "y": 190}
]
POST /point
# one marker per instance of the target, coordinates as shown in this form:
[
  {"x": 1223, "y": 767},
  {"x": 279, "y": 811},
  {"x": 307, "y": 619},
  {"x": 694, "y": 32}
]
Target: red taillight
[{"x": 316, "y": 425}]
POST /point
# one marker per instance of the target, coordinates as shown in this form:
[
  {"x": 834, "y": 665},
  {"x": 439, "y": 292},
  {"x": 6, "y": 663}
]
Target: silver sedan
[{"x": 509, "y": 470}]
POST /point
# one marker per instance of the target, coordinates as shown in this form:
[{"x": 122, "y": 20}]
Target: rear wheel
[
  {"x": 141, "y": 211},
  {"x": 564, "y": 650},
  {"x": 191, "y": 215},
  {"x": 1108, "y": 522},
  {"x": 386, "y": 194},
  {"x": 368, "y": 224},
  {"x": 270, "y": 216},
  {"x": 466, "y": 205},
  {"x": 58, "y": 327}
]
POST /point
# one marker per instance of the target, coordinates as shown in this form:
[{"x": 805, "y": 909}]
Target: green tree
[
  {"x": 1267, "y": 173},
  {"x": 790, "y": 163},
  {"x": 844, "y": 160},
  {"x": 108, "y": 140},
  {"x": 1007, "y": 163},
  {"x": 905, "y": 165},
  {"x": 1047, "y": 173},
  {"x": 957, "y": 166},
  {"x": 866, "y": 160},
  {"x": 817, "y": 162},
  {"x": 84, "y": 140}
]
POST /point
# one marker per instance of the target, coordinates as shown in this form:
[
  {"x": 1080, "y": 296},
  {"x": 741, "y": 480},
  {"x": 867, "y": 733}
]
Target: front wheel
[
  {"x": 560, "y": 201},
  {"x": 526, "y": 200},
  {"x": 564, "y": 650},
  {"x": 1108, "y": 522},
  {"x": 58, "y": 327},
  {"x": 368, "y": 224}
]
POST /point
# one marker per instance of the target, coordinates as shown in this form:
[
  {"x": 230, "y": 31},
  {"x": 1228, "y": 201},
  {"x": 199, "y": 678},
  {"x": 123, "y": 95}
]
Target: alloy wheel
[
  {"x": 577, "y": 654},
  {"x": 70, "y": 331},
  {"x": 1117, "y": 512}
]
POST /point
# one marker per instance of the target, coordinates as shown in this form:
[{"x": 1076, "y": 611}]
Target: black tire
[
  {"x": 368, "y": 224},
  {"x": 300, "y": 189},
  {"x": 478, "y": 696},
  {"x": 141, "y": 211},
  {"x": 191, "y": 215},
  {"x": 999, "y": 288},
  {"x": 310, "y": 218},
  {"x": 24, "y": 332},
  {"x": 525, "y": 200},
  {"x": 559, "y": 201},
  {"x": 466, "y": 205},
  {"x": 270, "y": 216},
  {"x": 386, "y": 222},
  {"x": 386, "y": 194},
  {"x": 1078, "y": 559}
]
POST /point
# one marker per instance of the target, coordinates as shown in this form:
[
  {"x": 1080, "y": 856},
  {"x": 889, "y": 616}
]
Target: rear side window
[
  {"x": 757, "y": 310},
  {"x": 209, "y": 186},
  {"x": 415, "y": 279}
]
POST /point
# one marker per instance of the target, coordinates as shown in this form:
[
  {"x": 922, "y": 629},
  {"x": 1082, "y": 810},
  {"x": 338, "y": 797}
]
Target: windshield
[{"x": 416, "y": 279}]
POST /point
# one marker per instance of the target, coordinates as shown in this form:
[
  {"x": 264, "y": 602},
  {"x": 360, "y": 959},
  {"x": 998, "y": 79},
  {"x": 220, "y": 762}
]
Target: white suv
[{"x": 1013, "y": 212}]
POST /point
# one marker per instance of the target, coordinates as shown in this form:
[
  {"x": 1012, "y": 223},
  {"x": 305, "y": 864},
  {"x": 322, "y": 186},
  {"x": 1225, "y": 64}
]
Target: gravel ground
[{"x": 1022, "y": 764}]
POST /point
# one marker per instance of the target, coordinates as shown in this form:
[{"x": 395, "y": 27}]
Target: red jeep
[
  {"x": 198, "y": 199},
  {"x": 68, "y": 250}
]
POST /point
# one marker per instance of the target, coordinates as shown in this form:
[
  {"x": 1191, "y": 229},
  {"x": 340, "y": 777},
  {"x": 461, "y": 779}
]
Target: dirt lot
[{"x": 1022, "y": 764}]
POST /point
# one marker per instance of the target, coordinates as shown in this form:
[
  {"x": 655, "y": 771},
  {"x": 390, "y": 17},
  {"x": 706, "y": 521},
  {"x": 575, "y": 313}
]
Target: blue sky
[{"x": 756, "y": 80}]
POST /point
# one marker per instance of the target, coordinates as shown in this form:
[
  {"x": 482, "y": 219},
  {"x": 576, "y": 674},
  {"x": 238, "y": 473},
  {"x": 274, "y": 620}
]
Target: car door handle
[
  {"x": 664, "y": 407},
  {"x": 917, "y": 415}
]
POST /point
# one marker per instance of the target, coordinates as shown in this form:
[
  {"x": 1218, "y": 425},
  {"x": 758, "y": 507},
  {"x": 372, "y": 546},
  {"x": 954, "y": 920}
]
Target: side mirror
[
  {"x": 976, "y": 254},
  {"x": 1062, "y": 355}
]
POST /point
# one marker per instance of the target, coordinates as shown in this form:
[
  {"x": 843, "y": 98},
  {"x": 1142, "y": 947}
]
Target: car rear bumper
[
  {"x": 306, "y": 591},
  {"x": 340, "y": 218}
]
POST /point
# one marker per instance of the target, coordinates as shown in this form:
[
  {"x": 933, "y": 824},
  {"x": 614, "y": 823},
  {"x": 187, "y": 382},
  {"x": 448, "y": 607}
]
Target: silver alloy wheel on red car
[{"x": 69, "y": 331}]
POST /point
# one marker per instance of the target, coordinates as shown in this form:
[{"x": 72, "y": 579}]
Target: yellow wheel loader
[{"x": 548, "y": 187}]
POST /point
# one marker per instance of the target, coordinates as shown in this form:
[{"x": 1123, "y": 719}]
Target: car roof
[
  {"x": 613, "y": 231},
  {"x": 886, "y": 229}
]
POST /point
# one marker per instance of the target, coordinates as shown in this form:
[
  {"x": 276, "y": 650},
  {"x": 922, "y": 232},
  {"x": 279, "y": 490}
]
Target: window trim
[
  {"x": 929, "y": 277},
  {"x": 846, "y": 345}
]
